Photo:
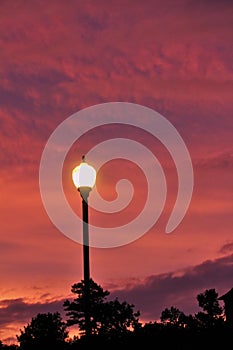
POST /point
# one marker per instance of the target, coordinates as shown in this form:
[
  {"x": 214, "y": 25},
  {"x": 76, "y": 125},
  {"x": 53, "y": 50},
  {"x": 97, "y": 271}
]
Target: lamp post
[{"x": 84, "y": 176}]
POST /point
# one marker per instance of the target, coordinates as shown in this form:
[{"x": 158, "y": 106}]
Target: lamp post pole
[
  {"x": 86, "y": 259},
  {"x": 84, "y": 177}
]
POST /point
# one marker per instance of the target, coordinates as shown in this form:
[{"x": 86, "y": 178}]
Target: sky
[{"x": 58, "y": 58}]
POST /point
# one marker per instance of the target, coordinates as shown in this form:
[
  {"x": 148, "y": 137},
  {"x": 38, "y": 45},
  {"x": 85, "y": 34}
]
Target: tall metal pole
[
  {"x": 86, "y": 264},
  {"x": 86, "y": 261},
  {"x": 84, "y": 177}
]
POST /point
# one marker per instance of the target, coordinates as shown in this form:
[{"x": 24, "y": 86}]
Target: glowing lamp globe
[{"x": 84, "y": 175}]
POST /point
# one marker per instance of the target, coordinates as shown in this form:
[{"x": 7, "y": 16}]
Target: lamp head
[{"x": 84, "y": 176}]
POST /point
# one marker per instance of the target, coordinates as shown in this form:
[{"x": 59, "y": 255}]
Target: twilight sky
[{"x": 59, "y": 57}]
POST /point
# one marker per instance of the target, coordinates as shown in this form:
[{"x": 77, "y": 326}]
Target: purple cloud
[{"x": 178, "y": 289}]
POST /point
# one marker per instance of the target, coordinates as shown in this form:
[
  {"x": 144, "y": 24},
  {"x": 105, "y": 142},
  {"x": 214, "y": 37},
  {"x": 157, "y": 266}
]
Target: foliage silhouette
[
  {"x": 107, "y": 318},
  {"x": 213, "y": 313},
  {"x": 115, "y": 325},
  {"x": 44, "y": 332},
  {"x": 8, "y": 347},
  {"x": 173, "y": 316}
]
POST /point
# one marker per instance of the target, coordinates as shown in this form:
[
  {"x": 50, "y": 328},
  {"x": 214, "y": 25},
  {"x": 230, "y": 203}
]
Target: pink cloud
[{"x": 61, "y": 57}]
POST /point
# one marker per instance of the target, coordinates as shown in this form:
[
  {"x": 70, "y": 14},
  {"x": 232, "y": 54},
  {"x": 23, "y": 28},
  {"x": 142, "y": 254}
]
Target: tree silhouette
[
  {"x": 76, "y": 308},
  {"x": 8, "y": 347},
  {"x": 173, "y": 316},
  {"x": 117, "y": 319},
  {"x": 213, "y": 312},
  {"x": 115, "y": 325},
  {"x": 46, "y": 331},
  {"x": 209, "y": 302},
  {"x": 107, "y": 318}
]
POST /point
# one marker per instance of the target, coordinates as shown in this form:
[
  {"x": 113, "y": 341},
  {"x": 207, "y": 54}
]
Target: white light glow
[{"x": 84, "y": 175}]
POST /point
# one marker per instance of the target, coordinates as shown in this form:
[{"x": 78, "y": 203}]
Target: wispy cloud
[
  {"x": 60, "y": 57},
  {"x": 150, "y": 296},
  {"x": 178, "y": 288},
  {"x": 17, "y": 313}
]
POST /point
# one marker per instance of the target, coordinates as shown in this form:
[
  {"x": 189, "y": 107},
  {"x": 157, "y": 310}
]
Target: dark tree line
[{"x": 116, "y": 325}]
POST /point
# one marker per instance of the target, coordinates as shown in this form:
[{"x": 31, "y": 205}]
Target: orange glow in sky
[{"x": 60, "y": 57}]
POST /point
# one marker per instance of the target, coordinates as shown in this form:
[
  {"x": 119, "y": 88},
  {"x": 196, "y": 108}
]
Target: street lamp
[{"x": 84, "y": 176}]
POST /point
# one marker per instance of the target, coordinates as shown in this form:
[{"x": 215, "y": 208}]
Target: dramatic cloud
[
  {"x": 21, "y": 311},
  {"x": 59, "y": 57},
  {"x": 17, "y": 313},
  {"x": 178, "y": 288},
  {"x": 150, "y": 296}
]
